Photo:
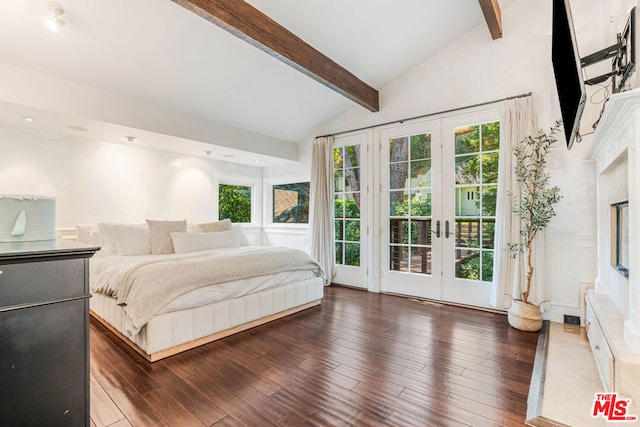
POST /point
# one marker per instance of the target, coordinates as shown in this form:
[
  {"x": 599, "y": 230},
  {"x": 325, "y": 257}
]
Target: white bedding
[
  {"x": 108, "y": 272},
  {"x": 120, "y": 277}
]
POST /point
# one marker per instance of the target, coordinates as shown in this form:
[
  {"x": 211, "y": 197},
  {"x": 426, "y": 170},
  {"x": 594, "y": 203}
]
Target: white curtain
[
  {"x": 516, "y": 122},
  {"x": 321, "y": 216}
]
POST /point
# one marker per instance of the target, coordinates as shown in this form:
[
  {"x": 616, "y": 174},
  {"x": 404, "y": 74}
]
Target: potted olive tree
[{"x": 534, "y": 207}]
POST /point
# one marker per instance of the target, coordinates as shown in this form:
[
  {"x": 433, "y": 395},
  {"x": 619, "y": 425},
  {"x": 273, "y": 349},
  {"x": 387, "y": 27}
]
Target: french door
[
  {"x": 411, "y": 211},
  {"x": 351, "y": 209},
  {"x": 438, "y": 187}
]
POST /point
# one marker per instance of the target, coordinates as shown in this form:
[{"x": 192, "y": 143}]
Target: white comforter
[{"x": 146, "y": 285}]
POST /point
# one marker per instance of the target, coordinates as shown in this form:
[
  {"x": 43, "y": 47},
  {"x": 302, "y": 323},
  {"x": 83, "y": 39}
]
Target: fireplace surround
[{"x": 613, "y": 307}]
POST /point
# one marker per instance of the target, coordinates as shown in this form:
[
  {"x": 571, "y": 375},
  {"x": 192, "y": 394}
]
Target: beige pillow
[
  {"x": 210, "y": 227},
  {"x": 159, "y": 236}
]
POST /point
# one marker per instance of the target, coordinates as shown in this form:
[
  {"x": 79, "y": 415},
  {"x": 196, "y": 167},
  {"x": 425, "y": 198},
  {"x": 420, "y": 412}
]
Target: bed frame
[{"x": 172, "y": 333}]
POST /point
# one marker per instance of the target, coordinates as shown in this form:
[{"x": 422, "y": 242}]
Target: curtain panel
[
  {"x": 321, "y": 216},
  {"x": 517, "y": 120}
]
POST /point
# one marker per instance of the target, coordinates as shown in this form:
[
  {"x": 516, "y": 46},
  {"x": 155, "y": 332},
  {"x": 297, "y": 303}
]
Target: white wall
[
  {"x": 476, "y": 69},
  {"x": 99, "y": 181}
]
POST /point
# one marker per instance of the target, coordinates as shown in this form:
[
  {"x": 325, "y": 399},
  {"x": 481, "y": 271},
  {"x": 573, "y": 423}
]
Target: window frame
[
  {"x": 253, "y": 183},
  {"x": 268, "y": 201}
]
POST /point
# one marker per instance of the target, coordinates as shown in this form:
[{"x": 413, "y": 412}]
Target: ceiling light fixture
[
  {"x": 55, "y": 20},
  {"x": 208, "y": 153},
  {"x": 130, "y": 138},
  {"x": 28, "y": 119}
]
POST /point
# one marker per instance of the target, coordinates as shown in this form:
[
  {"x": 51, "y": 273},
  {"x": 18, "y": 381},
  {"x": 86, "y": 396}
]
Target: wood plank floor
[{"x": 358, "y": 359}]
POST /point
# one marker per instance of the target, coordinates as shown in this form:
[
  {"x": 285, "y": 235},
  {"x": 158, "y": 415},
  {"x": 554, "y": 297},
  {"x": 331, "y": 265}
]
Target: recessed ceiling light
[
  {"x": 55, "y": 20},
  {"x": 256, "y": 161},
  {"x": 208, "y": 153},
  {"x": 28, "y": 119},
  {"x": 130, "y": 138}
]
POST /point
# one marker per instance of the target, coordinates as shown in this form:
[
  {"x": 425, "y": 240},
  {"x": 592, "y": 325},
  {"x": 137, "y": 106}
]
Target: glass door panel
[
  {"x": 347, "y": 198},
  {"x": 473, "y": 155},
  {"x": 410, "y": 261},
  {"x": 350, "y": 210}
]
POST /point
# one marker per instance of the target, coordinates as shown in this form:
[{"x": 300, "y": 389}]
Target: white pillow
[
  {"x": 95, "y": 239},
  {"x": 191, "y": 242},
  {"x": 243, "y": 237},
  {"x": 83, "y": 232},
  {"x": 105, "y": 237},
  {"x": 131, "y": 239},
  {"x": 161, "y": 242},
  {"x": 218, "y": 226}
]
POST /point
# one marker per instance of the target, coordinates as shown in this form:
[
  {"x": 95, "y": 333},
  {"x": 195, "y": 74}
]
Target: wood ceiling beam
[
  {"x": 491, "y": 11},
  {"x": 249, "y": 24}
]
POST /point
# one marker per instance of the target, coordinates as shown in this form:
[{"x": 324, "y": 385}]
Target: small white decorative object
[{"x": 26, "y": 218}]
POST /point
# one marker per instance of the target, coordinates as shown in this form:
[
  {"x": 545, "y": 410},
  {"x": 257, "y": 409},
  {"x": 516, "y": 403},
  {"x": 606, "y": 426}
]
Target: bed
[{"x": 163, "y": 292}]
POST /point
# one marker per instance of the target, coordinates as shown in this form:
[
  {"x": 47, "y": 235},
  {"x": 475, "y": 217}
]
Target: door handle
[
  {"x": 437, "y": 232},
  {"x": 446, "y": 230}
]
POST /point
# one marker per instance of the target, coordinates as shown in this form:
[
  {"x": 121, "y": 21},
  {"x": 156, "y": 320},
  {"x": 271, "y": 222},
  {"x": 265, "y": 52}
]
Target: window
[
  {"x": 234, "y": 202},
  {"x": 291, "y": 203}
]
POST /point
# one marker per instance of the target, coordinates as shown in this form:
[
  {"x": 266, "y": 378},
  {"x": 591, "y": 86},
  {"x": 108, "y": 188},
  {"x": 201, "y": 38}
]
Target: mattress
[{"x": 170, "y": 330}]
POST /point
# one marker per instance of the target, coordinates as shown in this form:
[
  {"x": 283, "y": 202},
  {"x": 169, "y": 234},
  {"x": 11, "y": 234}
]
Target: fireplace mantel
[
  {"x": 613, "y": 308},
  {"x": 614, "y": 148}
]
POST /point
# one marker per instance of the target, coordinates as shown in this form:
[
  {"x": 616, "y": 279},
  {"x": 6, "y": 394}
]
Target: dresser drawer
[
  {"x": 43, "y": 365},
  {"x": 601, "y": 351},
  {"x": 34, "y": 282}
]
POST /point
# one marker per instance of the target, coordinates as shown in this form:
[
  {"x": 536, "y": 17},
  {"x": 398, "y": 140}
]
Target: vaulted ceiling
[{"x": 159, "y": 71}]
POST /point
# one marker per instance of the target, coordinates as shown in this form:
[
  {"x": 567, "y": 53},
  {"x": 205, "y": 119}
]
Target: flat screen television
[{"x": 567, "y": 70}]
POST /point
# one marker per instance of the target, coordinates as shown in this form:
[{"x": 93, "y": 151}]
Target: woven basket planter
[{"x": 525, "y": 317}]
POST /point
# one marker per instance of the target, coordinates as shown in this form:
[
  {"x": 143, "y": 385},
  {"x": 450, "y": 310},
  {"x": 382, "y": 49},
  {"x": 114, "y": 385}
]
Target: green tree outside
[{"x": 234, "y": 202}]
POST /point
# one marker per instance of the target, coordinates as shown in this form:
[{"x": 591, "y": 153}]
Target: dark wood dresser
[{"x": 44, "y": 333}]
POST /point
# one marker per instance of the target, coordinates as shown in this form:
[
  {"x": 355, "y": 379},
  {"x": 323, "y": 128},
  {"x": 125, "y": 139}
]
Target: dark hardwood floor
[{"x": 360, "y": 359}]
